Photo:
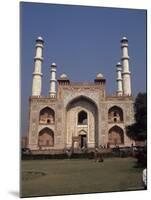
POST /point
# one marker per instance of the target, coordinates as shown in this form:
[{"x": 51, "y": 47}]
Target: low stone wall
[{"x": 45, "y": 155}]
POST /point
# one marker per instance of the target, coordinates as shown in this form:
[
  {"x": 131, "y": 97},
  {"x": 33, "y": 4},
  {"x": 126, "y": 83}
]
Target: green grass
[{"x": 56, "y": 177}]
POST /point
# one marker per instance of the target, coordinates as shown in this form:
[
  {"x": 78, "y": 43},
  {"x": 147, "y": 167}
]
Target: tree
[{"x": 138, "y": 130}]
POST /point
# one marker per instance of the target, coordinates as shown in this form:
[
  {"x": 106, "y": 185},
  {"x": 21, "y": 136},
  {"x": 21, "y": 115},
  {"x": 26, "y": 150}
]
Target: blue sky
[{"x": 83, "y": 41}]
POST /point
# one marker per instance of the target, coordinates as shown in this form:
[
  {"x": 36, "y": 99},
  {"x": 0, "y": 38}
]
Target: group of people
[{"x": 96, "y": 154}]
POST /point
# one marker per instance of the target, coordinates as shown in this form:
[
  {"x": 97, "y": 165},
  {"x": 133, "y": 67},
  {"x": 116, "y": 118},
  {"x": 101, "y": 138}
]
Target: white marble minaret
[
  {"x": 125, "y": 65},
  {"x": 37, "y": 75},
  {"x": 53, "y": 80},
  {"x": 119, "y": 91}
]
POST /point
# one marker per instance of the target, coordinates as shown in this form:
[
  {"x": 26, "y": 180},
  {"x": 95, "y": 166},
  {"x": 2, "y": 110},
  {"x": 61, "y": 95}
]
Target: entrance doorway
[{"x": 83, "y": 141}]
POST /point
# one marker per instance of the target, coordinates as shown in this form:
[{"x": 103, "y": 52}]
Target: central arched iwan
[{"x": 82, "y": 114}]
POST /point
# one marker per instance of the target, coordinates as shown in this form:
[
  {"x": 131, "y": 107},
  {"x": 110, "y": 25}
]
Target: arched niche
[
  {"x": 47, "y": 116},
  {"x": 46, "y": 138},
  {"x": 115, "y": 115},
  {"x": 116, "y": 135},
  {"x": 82, "y": 118}
]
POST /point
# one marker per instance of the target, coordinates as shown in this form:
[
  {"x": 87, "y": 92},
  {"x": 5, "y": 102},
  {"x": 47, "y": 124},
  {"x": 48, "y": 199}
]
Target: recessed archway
[
  {"x": 116, "y": 135},
  {"x": 46, "y": 138},
  {"x": 82, "y": 118},
  {"x": 47, "y": 116},
  {"x": 82, "y": 112},
  {"x": 115, "y": 115}
]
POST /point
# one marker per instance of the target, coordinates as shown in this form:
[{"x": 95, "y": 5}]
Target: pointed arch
[
  {"x": 46, "y": 138},
  {"x": 82, "y": 118},
  {"x": 116, "y": 135},
  {"x": 85, "y": 111},
  {"x": 83, "y": 98},
  {"x": 47, "y": 116},
  {"x": 115, "y": 114}
]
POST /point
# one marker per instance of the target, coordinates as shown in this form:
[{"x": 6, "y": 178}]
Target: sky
[{"x": 83, "y": 41}]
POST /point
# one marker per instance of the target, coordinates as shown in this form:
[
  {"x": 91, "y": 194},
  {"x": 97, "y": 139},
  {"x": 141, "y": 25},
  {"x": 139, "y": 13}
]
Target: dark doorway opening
[{"x": 83, "y": 141}]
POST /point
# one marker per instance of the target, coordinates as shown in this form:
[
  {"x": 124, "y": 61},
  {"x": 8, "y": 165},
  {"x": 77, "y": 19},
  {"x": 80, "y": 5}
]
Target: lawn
[{"x": 56, "y": 177}]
